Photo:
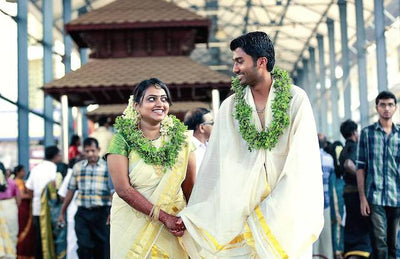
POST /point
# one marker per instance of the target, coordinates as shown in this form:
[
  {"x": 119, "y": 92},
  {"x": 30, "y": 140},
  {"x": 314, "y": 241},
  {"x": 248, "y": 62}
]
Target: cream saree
[
  {"x": 134, "y": 234},
  {"x": 8, "y": 228}
]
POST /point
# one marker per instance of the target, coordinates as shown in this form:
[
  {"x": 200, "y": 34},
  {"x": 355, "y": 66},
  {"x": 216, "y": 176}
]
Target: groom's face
[{"x": 244, "y": 67}]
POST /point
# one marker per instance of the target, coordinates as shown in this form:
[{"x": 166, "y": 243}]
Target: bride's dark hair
[{"x": 141, "y": 88}]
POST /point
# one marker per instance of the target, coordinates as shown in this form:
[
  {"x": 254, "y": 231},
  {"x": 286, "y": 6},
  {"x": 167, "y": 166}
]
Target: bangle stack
[{"x": 155, "y": 212}]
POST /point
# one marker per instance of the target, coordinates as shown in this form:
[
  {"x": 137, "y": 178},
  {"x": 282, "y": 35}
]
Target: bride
[{"x": 153, "y": 170}]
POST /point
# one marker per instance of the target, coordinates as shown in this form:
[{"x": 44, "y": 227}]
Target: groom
[{"x": 259, "y": 191}]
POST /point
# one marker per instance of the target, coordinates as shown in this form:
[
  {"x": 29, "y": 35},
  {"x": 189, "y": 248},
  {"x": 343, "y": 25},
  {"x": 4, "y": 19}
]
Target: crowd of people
[
  {"x": 362, "y": 177},
  {"x": 258, "y": 183},
  {"x": 32, "y": 208}
]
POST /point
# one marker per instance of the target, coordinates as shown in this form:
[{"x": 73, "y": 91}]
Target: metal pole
[
  {"x": 306, "y": 74},
  {"x": 47, "y": 12},
  {"x": 334, "y": 90},
  {"x": 323, "y": 98},
  {"x": 345, "y": 58},
  {"x": 23, "y": 85},
  {"x": 67, "y": 6},
  {"x": 64, "y": 118},
  {"x": 83, "y": 110},
  {"x": 84, "y": 59},
  {"x": 214, "y": 52},
  {"x": 380, "y": 45},
  {"x": 215, "y": 101},
  {"x": 67, "y": 38},
  {"x": 41, "y": 115},
  {"x": 362, "y": 64},
  {"x": 313, "y": 88}
]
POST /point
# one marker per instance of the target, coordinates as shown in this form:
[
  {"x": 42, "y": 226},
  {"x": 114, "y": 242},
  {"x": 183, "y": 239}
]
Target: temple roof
[
  {"x": 111, "y": 81},
  {"x": 138, "y": 14}
]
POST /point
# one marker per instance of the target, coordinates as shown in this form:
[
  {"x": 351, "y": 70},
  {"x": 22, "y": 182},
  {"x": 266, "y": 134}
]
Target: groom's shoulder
[
  {"x": 297, "y": 92},
  {"x": 227, "y": 102},
  {"x": 298, "y": 95}
]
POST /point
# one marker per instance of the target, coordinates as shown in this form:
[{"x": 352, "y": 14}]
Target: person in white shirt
[
  {"x": 42, "y": 174},
  {"x": 201, "y": 122},
  {"x": 103, "y": 135}
]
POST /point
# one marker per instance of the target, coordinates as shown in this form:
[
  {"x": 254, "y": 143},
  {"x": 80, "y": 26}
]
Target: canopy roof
[{"x": 292, "y": 25}]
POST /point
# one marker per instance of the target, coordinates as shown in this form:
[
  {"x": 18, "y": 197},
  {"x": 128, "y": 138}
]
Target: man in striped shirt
[{"x": 378, "y": 177}]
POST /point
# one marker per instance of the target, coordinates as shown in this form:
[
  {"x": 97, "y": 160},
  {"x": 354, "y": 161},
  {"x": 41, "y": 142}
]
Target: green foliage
[
  {"x": 243, "y": 113},
  {"x": 164, "y": 156}
]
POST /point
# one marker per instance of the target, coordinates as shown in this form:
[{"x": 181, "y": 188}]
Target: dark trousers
[
  {"x": 38, "y": 237},
  {"x": 385, "y": 225},
  {"x": 357, "y": 227},
  {"x": 92, "y": 233}
]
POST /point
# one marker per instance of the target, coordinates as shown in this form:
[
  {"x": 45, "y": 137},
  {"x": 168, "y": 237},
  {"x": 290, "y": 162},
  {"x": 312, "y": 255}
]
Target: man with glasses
[
  {"x": 200, "y": 121},
  {"x": 378, "y": 177}
]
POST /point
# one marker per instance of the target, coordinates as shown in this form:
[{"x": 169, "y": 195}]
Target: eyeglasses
[
  {"x": 211, "y": 123},
  {"x": 384, "y": 105}
]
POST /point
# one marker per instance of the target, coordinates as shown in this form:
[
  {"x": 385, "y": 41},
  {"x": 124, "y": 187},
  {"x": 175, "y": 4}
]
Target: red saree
[{"x": 25, "y": 244}]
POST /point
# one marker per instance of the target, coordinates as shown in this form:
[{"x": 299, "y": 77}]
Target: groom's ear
[{"x": 262, "y": 62}]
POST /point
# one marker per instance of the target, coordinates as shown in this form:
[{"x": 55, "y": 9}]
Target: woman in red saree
[{"x": 25, "y": 244}]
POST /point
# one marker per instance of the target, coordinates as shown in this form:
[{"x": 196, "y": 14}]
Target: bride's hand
[
  {"x": 173, "y": 224},
  {"x": 181, "y": 228}
]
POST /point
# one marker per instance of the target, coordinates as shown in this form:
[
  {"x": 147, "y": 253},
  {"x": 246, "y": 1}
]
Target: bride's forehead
[{"x": 154, "y": 90}]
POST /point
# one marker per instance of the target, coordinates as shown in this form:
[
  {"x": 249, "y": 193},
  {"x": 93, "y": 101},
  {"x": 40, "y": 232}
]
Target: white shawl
[{"x": 229, "y": 193}]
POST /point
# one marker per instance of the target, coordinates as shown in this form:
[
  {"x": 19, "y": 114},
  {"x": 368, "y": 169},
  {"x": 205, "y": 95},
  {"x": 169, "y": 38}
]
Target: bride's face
[{"x": 154, "y": 105}]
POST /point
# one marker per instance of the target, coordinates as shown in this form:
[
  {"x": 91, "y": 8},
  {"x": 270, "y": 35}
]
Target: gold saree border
[
  {"x": 238, "y": 241},
  {"x": 48, "y": 246},
  {"x": 259, "y": 217},
  {"x": 157, "y": 253},
  {"x": 45, "y": 226}
]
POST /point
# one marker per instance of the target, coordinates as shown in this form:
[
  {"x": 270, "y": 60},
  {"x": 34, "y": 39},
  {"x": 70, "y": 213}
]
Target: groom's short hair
[{"x": 256, "y": 44}]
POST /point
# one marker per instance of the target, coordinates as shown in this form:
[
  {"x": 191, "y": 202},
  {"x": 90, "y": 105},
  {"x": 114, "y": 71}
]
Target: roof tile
[
  {"x": 137, "y": 11},
  {"x": 178, "y": 70}
]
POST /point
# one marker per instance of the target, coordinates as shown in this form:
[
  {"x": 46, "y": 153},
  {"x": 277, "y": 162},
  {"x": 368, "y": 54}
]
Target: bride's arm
[
  {"x": 118, "y": 169},
  {"x": 188, "y": 183}
]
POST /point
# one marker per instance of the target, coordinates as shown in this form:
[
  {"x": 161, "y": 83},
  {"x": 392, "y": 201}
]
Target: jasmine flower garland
[
  {"x": 268, "y": 138},
  {"x": 171, "y": 127}
]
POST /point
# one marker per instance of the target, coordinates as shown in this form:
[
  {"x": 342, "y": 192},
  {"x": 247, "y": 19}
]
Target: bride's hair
[{"x": 141, "y": 88}]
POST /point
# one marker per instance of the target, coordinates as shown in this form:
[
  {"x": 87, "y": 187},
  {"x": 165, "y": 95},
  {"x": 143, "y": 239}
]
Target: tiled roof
[
  {"x": 128, "y": 72},
  {"x": 107, "y": 81},
  {"x": 137, "y": 11}
]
